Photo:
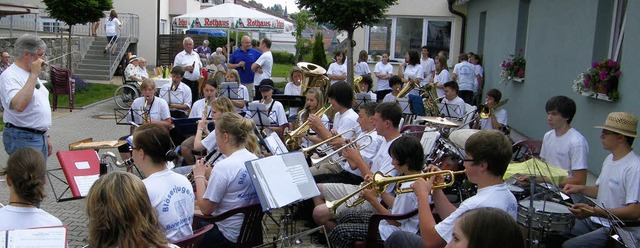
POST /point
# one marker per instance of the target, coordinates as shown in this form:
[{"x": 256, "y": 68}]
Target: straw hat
[
  {"x": 132, "y": 58},
  {"x": 622, "y": 123}
]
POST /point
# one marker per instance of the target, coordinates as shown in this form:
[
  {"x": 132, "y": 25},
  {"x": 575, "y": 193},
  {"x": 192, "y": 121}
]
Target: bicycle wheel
[{"x": 125, "y": 95}]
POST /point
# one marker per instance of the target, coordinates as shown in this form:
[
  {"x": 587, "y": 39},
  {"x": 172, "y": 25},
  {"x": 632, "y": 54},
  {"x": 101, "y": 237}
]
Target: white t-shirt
[
  {"x": 21, "y": 218},
  {"x": 478, "y": 71},
  {"x": 367, "y": 153},
  {"x": 277, "y": 117},
  {"x": 428, "y": 66},
  {"x": 335, "y": 69},
  {"x": 230, "y": 186},
  {"x": 265, "y": 61},
  {"x": 404, "y": 203},
  {"x": 292, "y": 89},
  {"x": 382, "y": 162},
  {"x": 501, "y": 117},
  {"x": 413, "y": 72},
  {"x": 383, "y": 84},
  {"x": 184, "y": 59},
  {"x": 171, "y": 195},
  {"x": 389, "y": 98},
  {"x": 181, "y": 95},
  {"x": 209, "y": 142},
  {"x": 496, "y": 196},
  {"x": 619, "y": 183},
  {"x": 306, "y": 142},
  {"x": 159, "y": 110},
  {"x": 465, "y": 73},
  {"x": 244, "y": 94},
  {"x": 441, "y": 78},
  {"x": 569, "y": 151},
  {"x": 198, "y": 108},
  {"x": 346, "y": 121},
  {"x": 457, "y": 107},
  {"x": 37, "y": 115},
  {"x": 111, "y": 25},
  {"x": 362, "y": 68}
]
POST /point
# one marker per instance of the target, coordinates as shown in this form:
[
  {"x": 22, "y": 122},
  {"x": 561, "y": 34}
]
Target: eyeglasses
[{"x": 135, "y": 148}]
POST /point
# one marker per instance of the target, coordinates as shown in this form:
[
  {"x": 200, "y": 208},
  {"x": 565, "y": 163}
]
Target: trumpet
[
  {"x": 308, "y": 150},
  {"x": 292, "y": 138},
  {"x": 330, "y": 155},
  {"x": 381, "y": 181}
]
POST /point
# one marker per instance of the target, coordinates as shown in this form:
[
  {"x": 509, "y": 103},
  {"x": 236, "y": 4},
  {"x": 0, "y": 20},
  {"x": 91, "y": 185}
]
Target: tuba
[{"x": 313, "y": 77}]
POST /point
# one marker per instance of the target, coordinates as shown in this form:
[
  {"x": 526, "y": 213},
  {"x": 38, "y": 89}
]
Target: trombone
[
  {"x": 484, "y": 110},
  {"x": 381, "y": 181},
  {"x": 367, "y": 135},
  {"x": 308, "y": 150}
]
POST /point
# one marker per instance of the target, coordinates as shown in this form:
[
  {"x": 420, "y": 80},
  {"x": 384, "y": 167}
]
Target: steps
[{"x": 96, "y": 64}]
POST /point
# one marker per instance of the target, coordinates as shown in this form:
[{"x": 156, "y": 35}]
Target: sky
[{"x": 291, "y": 4}]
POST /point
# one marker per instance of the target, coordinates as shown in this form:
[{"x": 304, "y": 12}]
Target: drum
[
  {"x": 547, "y": 217},
  {"x": 518, "y": 192},
  {"x": 446, "y": 155}
]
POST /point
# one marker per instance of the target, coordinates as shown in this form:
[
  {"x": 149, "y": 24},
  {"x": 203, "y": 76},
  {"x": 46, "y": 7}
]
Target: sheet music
[
  {"x": 275, "y": 144},
  {"x": 258, "y": 113},
  {"x": 230, "y": 90},
  {"x": 362, "y": 98},
  {"x": 3, "y": 238},
  {"x": 82, "y": 165},
  {"x": 297, "y": 173},
  {"x": 84, "y": 183},
  {"x": 278, "y": 180},
  {"x": 428, "y": 141},
  {"x": 50, "y": 237}
]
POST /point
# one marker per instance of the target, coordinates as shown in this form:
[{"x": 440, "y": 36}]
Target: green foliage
[
  {"x": 355, "y": 13},
  {"x": 77, "y": 12},
  {"x": 277, "y": 8},
  {"x": 282, "y": 57},
  {"x": 319, "y": 57},
  {"x": 281, "y": 70},
  {"x": 94, "y": 93},
  {"x": 302, "y": 21}
]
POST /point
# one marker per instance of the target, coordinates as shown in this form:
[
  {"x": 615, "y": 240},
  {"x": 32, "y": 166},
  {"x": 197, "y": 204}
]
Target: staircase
[{"x": 96, "y": 65}]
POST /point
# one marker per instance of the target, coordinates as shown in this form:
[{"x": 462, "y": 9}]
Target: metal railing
[{"x": 114, "y": 60}]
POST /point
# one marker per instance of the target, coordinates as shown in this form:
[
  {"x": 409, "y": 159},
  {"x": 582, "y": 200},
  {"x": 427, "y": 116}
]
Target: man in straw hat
[{"x": 617, "y": 190}]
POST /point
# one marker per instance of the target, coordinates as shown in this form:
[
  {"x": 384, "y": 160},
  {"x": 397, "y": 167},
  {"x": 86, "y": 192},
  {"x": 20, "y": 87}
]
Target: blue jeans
[
  {"x": 403, "y": 239},
  {"x": 15, "y": 139},
  {"x": 215, "y": 238},
  {"x": 588, "y": 234}
]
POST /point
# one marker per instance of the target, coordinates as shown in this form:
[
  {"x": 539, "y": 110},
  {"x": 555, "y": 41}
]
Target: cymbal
[{"x": 440, "y": 120}]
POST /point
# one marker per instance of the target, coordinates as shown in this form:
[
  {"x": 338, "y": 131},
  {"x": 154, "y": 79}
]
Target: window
[
  {"x": 406, "y": 33},
  {"x": 53, "y": 27},
  {"x": 617, "y": 29}
]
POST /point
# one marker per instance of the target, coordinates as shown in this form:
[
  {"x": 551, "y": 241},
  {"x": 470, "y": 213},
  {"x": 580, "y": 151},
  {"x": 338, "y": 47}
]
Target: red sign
[
  {"x": 182, "y": 23},
  {"x": 215, "y": 23},
  {"x": 258, "y": 23},
  {"x": 279, "y": 24}
]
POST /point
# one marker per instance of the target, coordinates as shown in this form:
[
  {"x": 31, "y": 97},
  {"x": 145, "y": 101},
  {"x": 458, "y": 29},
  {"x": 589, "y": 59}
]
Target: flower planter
[
  {"x": 519, "y": 80},
  {"x": 599, "y": 96}
]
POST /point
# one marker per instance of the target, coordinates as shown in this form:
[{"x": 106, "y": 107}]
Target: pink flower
[
  {"x": 594, "y": 64},
  {"x": 603, "y": 76},
  {"x": 618, "y": 73},
  {"x": 612, "y": 63},
  {"x": 521, "y": 73}
]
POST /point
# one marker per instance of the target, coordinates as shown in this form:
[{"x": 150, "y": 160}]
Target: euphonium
[
  {"x": 292, "y": 138},
  {"x": 408, "y": 87},
  {"x": 430, "y": 103}
]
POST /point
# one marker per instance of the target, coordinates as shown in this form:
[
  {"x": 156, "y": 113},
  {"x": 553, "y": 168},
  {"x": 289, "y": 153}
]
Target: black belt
[{"x": 31, "y": 130}]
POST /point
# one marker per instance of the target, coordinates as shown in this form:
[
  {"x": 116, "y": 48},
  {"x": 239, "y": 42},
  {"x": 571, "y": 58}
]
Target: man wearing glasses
[
  {"x": 488, "y": 153},
  {"x": 27, "y": 114}
]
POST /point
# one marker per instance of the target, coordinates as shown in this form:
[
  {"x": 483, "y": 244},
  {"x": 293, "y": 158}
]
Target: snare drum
[
  {"x": 547, "y": 216},
  {"x": 516, "y": 191}
]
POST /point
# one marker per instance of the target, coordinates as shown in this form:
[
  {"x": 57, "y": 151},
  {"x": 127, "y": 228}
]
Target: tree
[
  {"x": 355, "y": 14},
  {"x": 76, "y": 12},
  {"x": 277, "y": 9},
  {"x": 318, "y": 55},
  {"x": 256, "y": 3},
  {"x": 302, "y": 20}
]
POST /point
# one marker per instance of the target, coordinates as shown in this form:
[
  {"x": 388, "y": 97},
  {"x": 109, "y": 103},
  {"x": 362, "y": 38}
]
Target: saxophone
[{"x": 145, "y": 113}]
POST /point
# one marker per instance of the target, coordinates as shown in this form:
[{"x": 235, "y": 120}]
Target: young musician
[
  {"x": 275, "y": 109},
  {"x": 498, "y": 117},
  {"x": 453, "y": 105},
  {"x": 25, "y": 175},
  {"x": 487, "y": 227},
  {"x": 120, "y": 213},
  {"x": 383, "y": 71},
  {"x": 177, "y": 94},
  {"x": 564, "y": 146},
  {"x": 337, "y": 70},
  {"x": 411, "y": 70},
  {"x": 340, "y": 97},
  {"x": 229, "y": 185},
  {"x": 199, "y": 109},
  {"x": 233, "y": 76},
  {"x": 428, "y": 66},
  {"x": 442, "y": 75},
  {"x": 617, "y": 190},
  {"x": 365, "y": 87},
  {"x": 406, "y": 157},
  {"x": 396, "y": 84},
  {"x": 362, "y": 68},
  {"x": 152, "y": 148},
  {"x": 314, "y": 100},
  {"x": 488, "y": 154},
  {"x": 294, "y": 87},
  {"x": 386, "y": 120},
  {"x": 154, "y": 108},
  {"x": 464, "y": 75}
]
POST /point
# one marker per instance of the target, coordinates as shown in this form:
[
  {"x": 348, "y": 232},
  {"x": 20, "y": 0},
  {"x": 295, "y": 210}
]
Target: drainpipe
[
  {"x": 157, "y": 33},
  {"x": 464, "y": 23}
]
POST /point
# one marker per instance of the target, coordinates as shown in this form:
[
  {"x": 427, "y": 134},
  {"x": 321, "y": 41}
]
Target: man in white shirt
[
  {"x": 428, "y": 66},
  {"x": 488, "y": 153},
  {"x": 177, "y": 94},
  {"x": 27, "y": 113},
  {"x": 617, "y": 189},
  {"x": 383, "y": 71},
  {"x": 262, "y": 66},
  {"x": 142, "y": 67},
  {"x": 564, "y": 146},
  {"x": 190, "y": 62},
  {"x": 464, "y": 75},
  {"x": 452, "y": 104},
  {"x": 4, "y": 61}
]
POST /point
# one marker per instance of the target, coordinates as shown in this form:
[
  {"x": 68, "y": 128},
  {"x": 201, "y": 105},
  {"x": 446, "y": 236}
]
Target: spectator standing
[
  {"x": 262, "y": 67},
  {"x": 428, "y": 66},
  {"x": 110, "y": 27},
  {"x": 464, "y": 75},
  {"x": 4, "y": 61},
  {"x": 241, "y": 59},
  {"x": 383, "y": 71},
  {"x": 190, "y": 62}
]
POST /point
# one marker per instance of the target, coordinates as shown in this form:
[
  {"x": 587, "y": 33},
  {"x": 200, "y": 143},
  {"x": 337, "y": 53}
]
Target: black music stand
[
  {"x": 450, "y": 110},
  {"x": 172, "y": 96},
  {"x": 187, "y": 126},
  {"x": 128, "y": 116},
  {"x": 231, "y": 90},
  {"x": 405, "y": 106},
  {"x": 362, "y": 98},
  {"x": 291, "y": 101}
]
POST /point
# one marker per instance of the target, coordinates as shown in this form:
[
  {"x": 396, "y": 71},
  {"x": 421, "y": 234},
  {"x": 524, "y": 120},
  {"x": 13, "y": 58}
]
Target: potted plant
[
  {"x": 600, "y": 80},
  {"x": 513, "y": 68}
]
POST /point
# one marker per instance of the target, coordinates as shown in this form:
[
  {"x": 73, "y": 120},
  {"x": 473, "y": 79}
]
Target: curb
[{"x": 89, "y": 105}]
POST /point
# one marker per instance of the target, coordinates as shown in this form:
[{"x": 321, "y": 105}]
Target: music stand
[
  {"x": 231, "y": 90},
  {"x": 81, "y": 169},
  {"x": 450, "y": 110},
  {"x": 168, "y": 95},
  {"x": 291, "y": 101},
  {"x": 259, "y": 114},
  {"x": 362, "y": 98},
  {"x": 186, "y": 126},
  {"x": 275, "y": 144},
  {"x": 405, "y": 106},
  {"x": 129, "y": 116}
]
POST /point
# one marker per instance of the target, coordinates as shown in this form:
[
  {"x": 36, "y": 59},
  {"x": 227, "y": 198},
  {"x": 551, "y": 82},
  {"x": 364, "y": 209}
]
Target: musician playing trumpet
[
  {"x": 488, "y": 154},
  {"x": 146, "y": 109},
  {"x": 498, "y": 117},
  {"x": 314, "y": 99},
  {"x": 407, "y": 159}
]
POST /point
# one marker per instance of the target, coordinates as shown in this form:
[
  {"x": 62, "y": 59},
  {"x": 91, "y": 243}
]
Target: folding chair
[
  {"x": 195, "y": 239},
  {"x": 251, "y": 229}
]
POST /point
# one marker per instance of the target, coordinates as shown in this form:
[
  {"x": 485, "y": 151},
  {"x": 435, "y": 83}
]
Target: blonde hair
[
  {"x": 319, "y": 98},
  {"x": 147, "y": 83},
  {"x": 223, "y": 104},
  {"x": 120, "y": 213},
  {"x": 234, "y": 72},
  {"x": 241, "y": 129}
]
